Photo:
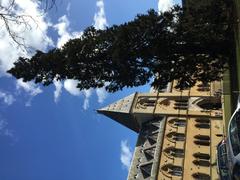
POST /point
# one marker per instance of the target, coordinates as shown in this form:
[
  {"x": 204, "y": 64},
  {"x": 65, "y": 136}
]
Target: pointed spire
[
  {"x": 123, "y": 105},
  {"x": 120, "y": 111}
]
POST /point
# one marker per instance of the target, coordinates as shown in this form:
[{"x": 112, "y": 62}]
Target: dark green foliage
[{"x": 188, "y": 46}]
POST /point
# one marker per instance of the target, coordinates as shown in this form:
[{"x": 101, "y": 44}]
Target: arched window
[
  {"x": 202, "y": 137},
  {"x": 204, "y": 163},
  {"x": 174, "y": 152},
  {"x": 181, "y": 104},
  {"x": 176, "y": 122},
  {"x": 202, "y": 142},
  {"x": 201, "y": 156},
  {"x": 172, "y": 170},
  {"x": 144, "y": 102},
  {"x": 203, "y": 120},
  {"x": 201, "y": 176},
  {"x": 210, "y": 104},
  {"x": 202, "y": 125},
  {"x": 174, "y": 136}
]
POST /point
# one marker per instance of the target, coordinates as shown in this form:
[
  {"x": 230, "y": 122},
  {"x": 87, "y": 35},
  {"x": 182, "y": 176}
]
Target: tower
[{"x": 178, "y": 131}]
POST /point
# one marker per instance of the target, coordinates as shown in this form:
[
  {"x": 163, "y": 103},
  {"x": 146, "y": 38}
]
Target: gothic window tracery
[
  {"x": 174, "y": 136},
  {"x": 144, "y": 102},
  {"x": 174, "y": 152},
  {"x": 172, "y": 170},
  {"x": 202, "y": 123},
  {"x": 201, "y": 156},
  {"x": 176, "y": 122},
  {"x": 201, "y": 176},
  {"x": 202, "y": 140},
  {"x": 210, "y": 104}
]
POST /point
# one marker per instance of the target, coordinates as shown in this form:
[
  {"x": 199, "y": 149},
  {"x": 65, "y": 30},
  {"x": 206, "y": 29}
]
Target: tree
[{"x": 188, "y": 47}]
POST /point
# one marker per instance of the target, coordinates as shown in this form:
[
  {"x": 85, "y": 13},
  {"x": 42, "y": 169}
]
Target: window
[
  {"x": 202, "y": 156},
  {"x": 174, "y": 152},
  {"x": 174, "y": 136},
  {"x": 201, "y": 176},
  {"x": 177, "y": 122},
  {"x": 202, "y": 120},
  {"x": 181, "y": 104},
  {"x": 202, "y": 125},
  {"x": 201, "y": 162},
  {"x": 210, "y": 104},
  {"x": 202, "y": 137},
  {"x": 173, "y": 170},
  {"x": 202, "y": 140}
]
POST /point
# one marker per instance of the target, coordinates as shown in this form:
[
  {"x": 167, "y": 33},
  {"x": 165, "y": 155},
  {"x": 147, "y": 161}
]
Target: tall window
[{"x": 181, "y": 104}]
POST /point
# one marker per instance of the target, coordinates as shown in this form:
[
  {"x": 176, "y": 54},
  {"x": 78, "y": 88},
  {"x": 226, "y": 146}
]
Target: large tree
[{"x": 186, "y": 45}]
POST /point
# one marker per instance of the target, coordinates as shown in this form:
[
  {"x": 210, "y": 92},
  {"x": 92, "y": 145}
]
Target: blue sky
[{"x": 54, "y": 133}]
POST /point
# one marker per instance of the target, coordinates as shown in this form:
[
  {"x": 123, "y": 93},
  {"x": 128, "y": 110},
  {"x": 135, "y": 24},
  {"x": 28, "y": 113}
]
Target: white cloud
[
  {"x": 34, "y": 35},
  {"x": 68, "y": 8},
  {"x": 87, "y": 93},
  {"x": 64, "y": 31},
  {"x": 58, "y": 85},
  {"x": 7, "y": 98},
  {"x": 65, "y": 34},
  {"x": 71, "y": 86},
  {"x": 100, "y": 21},
  {"x": 102, "y": 94},
  {"x": 126, "y": 154},
  {"x": 30, "y": 88},
  {"x": 5, "y": 131},
  {"x": 164, "y": 5}
]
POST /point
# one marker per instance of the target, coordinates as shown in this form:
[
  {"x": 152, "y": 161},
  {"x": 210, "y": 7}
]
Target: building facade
[{"x": 178, "y": 131}]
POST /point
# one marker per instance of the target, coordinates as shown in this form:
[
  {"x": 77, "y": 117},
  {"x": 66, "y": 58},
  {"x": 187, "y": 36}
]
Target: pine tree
[{"x": 188, "y": 46}]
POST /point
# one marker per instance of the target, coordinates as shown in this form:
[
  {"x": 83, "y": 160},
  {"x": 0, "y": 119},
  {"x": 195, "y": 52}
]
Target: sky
[{"x": 54, "y": 133}]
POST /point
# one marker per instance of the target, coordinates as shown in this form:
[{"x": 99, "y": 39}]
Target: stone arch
[
  {"x": 174, "y": 152},
  {"x": 201, "y": 176},
  {"x": 174, "y": 136},
  {"x": 210, "y": 104},
  {"x": 201, "y": 156},
  {"x": 202, "y": 142},
  {"x": 177, "y": 122},
  {"x": 144, "y": 102},
  {"x": 201, "y": 162},
  {"x": 172, "y": 170},
  {"x": 202, "y": 120},
  {"x": 202, "y": 137},
  {"x": 202, "y": 125}
]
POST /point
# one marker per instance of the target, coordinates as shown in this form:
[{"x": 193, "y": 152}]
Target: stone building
[{"x": 178, "y": 131}]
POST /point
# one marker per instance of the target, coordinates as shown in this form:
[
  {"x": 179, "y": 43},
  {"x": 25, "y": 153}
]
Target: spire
[{"x": 120, "y": 111}]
